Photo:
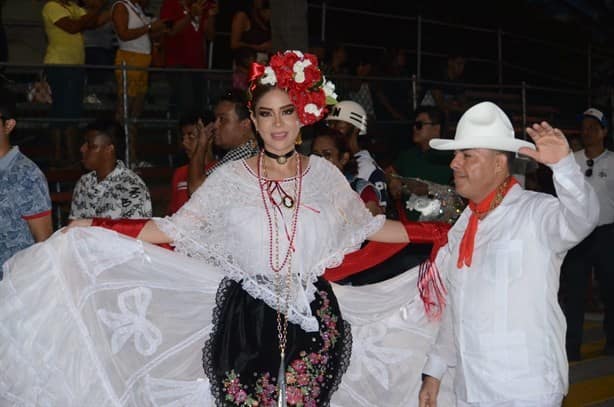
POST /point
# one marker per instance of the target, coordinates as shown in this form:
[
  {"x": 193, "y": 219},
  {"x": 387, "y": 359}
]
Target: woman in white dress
[{"x": 95, "y": 318}]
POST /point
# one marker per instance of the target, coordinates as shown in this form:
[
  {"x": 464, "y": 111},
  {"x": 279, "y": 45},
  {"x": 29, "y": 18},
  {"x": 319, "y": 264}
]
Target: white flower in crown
[
  {"x": 312, "y": 109},
  {"x": 329, "y": 89},
  {"x": 299, "y": 54},
  {"x": 269, "y": 77},
  {"x": 299, "y": 70}
]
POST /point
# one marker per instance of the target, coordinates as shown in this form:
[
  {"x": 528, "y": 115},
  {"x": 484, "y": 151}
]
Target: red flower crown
[{"x": 299, "y": 75}]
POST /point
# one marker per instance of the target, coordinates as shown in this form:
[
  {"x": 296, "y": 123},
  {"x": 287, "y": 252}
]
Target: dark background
[{"x": 572, "y": 24}]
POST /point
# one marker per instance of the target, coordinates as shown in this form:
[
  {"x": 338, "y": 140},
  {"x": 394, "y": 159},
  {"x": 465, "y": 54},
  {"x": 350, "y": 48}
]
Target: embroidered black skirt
[{"x": 241, "y": 357}]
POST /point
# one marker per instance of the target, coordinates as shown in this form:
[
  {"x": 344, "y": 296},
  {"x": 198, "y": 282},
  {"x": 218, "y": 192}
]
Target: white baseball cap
[
  {"x": 350, "y": 112},
  {"x": 597, "y": 115}
]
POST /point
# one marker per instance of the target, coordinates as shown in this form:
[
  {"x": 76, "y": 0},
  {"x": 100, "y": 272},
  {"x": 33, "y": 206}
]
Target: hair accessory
[{"x": 299, "y": 75}]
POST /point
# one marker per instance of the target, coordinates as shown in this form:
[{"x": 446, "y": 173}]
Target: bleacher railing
[{"x": 498, "y": 48}]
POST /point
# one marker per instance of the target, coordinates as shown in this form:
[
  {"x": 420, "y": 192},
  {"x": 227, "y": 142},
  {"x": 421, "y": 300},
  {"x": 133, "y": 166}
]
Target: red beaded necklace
[{"x": 267, "y": 188}]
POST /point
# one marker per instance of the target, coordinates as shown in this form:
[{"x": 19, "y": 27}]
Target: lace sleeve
[
  {"x": 196, "y": 227},
  {"x": 355, "y": 221}
]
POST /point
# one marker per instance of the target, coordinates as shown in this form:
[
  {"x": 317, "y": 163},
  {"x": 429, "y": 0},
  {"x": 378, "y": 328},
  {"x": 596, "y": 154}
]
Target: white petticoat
[{"x": 93, "y": 318}]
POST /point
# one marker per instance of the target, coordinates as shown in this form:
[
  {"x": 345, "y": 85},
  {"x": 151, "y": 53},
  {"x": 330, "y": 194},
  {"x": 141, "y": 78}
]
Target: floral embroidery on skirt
[{"x": 241, "y": 357}]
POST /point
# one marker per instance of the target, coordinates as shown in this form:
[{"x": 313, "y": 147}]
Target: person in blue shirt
[{"x": 25, "y": 205}]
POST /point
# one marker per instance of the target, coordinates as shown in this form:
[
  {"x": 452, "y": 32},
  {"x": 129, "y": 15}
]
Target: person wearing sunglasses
[
  {"x": 595, "y": 252},
  {"x": 420, "y": 161}
]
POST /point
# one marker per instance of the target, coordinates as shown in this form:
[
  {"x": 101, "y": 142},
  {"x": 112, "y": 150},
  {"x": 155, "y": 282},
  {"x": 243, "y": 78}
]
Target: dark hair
[
  {"x": 7, "y": 106},
  {"x": 436, "y": 115},
  {"x": 238, "y": 98},
  {"x": 113, "y": 131},
  {"x": 341, "y": 144},
  {"x": 257, "y": 92},
  {"x": 511, "y": 160}
]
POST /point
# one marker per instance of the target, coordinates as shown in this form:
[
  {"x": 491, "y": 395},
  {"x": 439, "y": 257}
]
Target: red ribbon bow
[{"x": 256, "y": 70}]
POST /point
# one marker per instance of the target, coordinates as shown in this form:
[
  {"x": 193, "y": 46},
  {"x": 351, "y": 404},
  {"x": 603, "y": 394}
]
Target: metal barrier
[
  {"x": 503, "y": 67},
  {"x": 502, "y": 43},
  {"x": 216, "y": 81},
  {"x": 34, "y": 115}
]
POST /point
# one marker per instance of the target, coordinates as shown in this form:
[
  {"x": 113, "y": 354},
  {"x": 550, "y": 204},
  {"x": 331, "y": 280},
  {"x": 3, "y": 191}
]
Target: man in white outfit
[{"x": 502, "y": 327}]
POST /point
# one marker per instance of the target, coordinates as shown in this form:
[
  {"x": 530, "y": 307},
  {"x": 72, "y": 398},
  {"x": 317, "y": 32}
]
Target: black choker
[{"x": 281, "y": 159}]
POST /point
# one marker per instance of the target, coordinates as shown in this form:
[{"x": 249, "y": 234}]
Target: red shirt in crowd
[
  {"x": 187, "y": 47},
  {"x": 368, "y": 194},
  {"x": 179, "y": 184}
]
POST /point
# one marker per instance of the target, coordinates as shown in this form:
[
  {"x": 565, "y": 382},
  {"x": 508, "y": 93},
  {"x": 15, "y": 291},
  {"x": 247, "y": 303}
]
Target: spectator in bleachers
[
  {"x": 252, "y": 28},
  {"x": 449, "y": 97},
  {"x": 594, "y": 253},
  {"x": 134, "y": 29},
  {"x": 232, "y": 131},
  {"x": 336, "y": 61},
  {"x": 289, "y": 25},
  {"x": 25, "y": 206},
  {"x": 332, "y": 145},
  {"x": 336, "y": 64},
  {"x": 100, "y": 44},
  {"x": 190, "y": 127},
  {"x": 359, "y": 88},
  {"x": 243, "y": 58},
  {"x": 421, "y": 161},
  {"x": 392, "y": 98},
  {"x": 64, "y": 23},
  {"x": 317, "y": 47},
  {"x": 192, "y": 24},
  {"x": 350, "y": 118},
  {"x": 110, "y": 190}
]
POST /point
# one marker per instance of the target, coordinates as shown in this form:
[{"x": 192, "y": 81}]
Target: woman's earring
[{"x": 299, "y": 139}]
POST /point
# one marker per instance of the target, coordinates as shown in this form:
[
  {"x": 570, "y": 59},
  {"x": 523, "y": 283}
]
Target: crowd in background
[{"x": 96, "y": 32}]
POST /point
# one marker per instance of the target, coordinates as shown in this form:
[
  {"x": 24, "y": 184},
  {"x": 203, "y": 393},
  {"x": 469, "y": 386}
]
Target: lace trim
[
  {"x": 354, "y": 243},
  {"x": 344, "y": 356},
  {"x": 220, "y": 296}
]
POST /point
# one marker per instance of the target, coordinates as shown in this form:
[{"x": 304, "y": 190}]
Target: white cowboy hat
[{"x": 484, "y": 125}]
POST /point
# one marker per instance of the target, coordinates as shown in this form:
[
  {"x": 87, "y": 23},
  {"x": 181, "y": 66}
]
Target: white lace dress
[{"x": 93, "y": 318}]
